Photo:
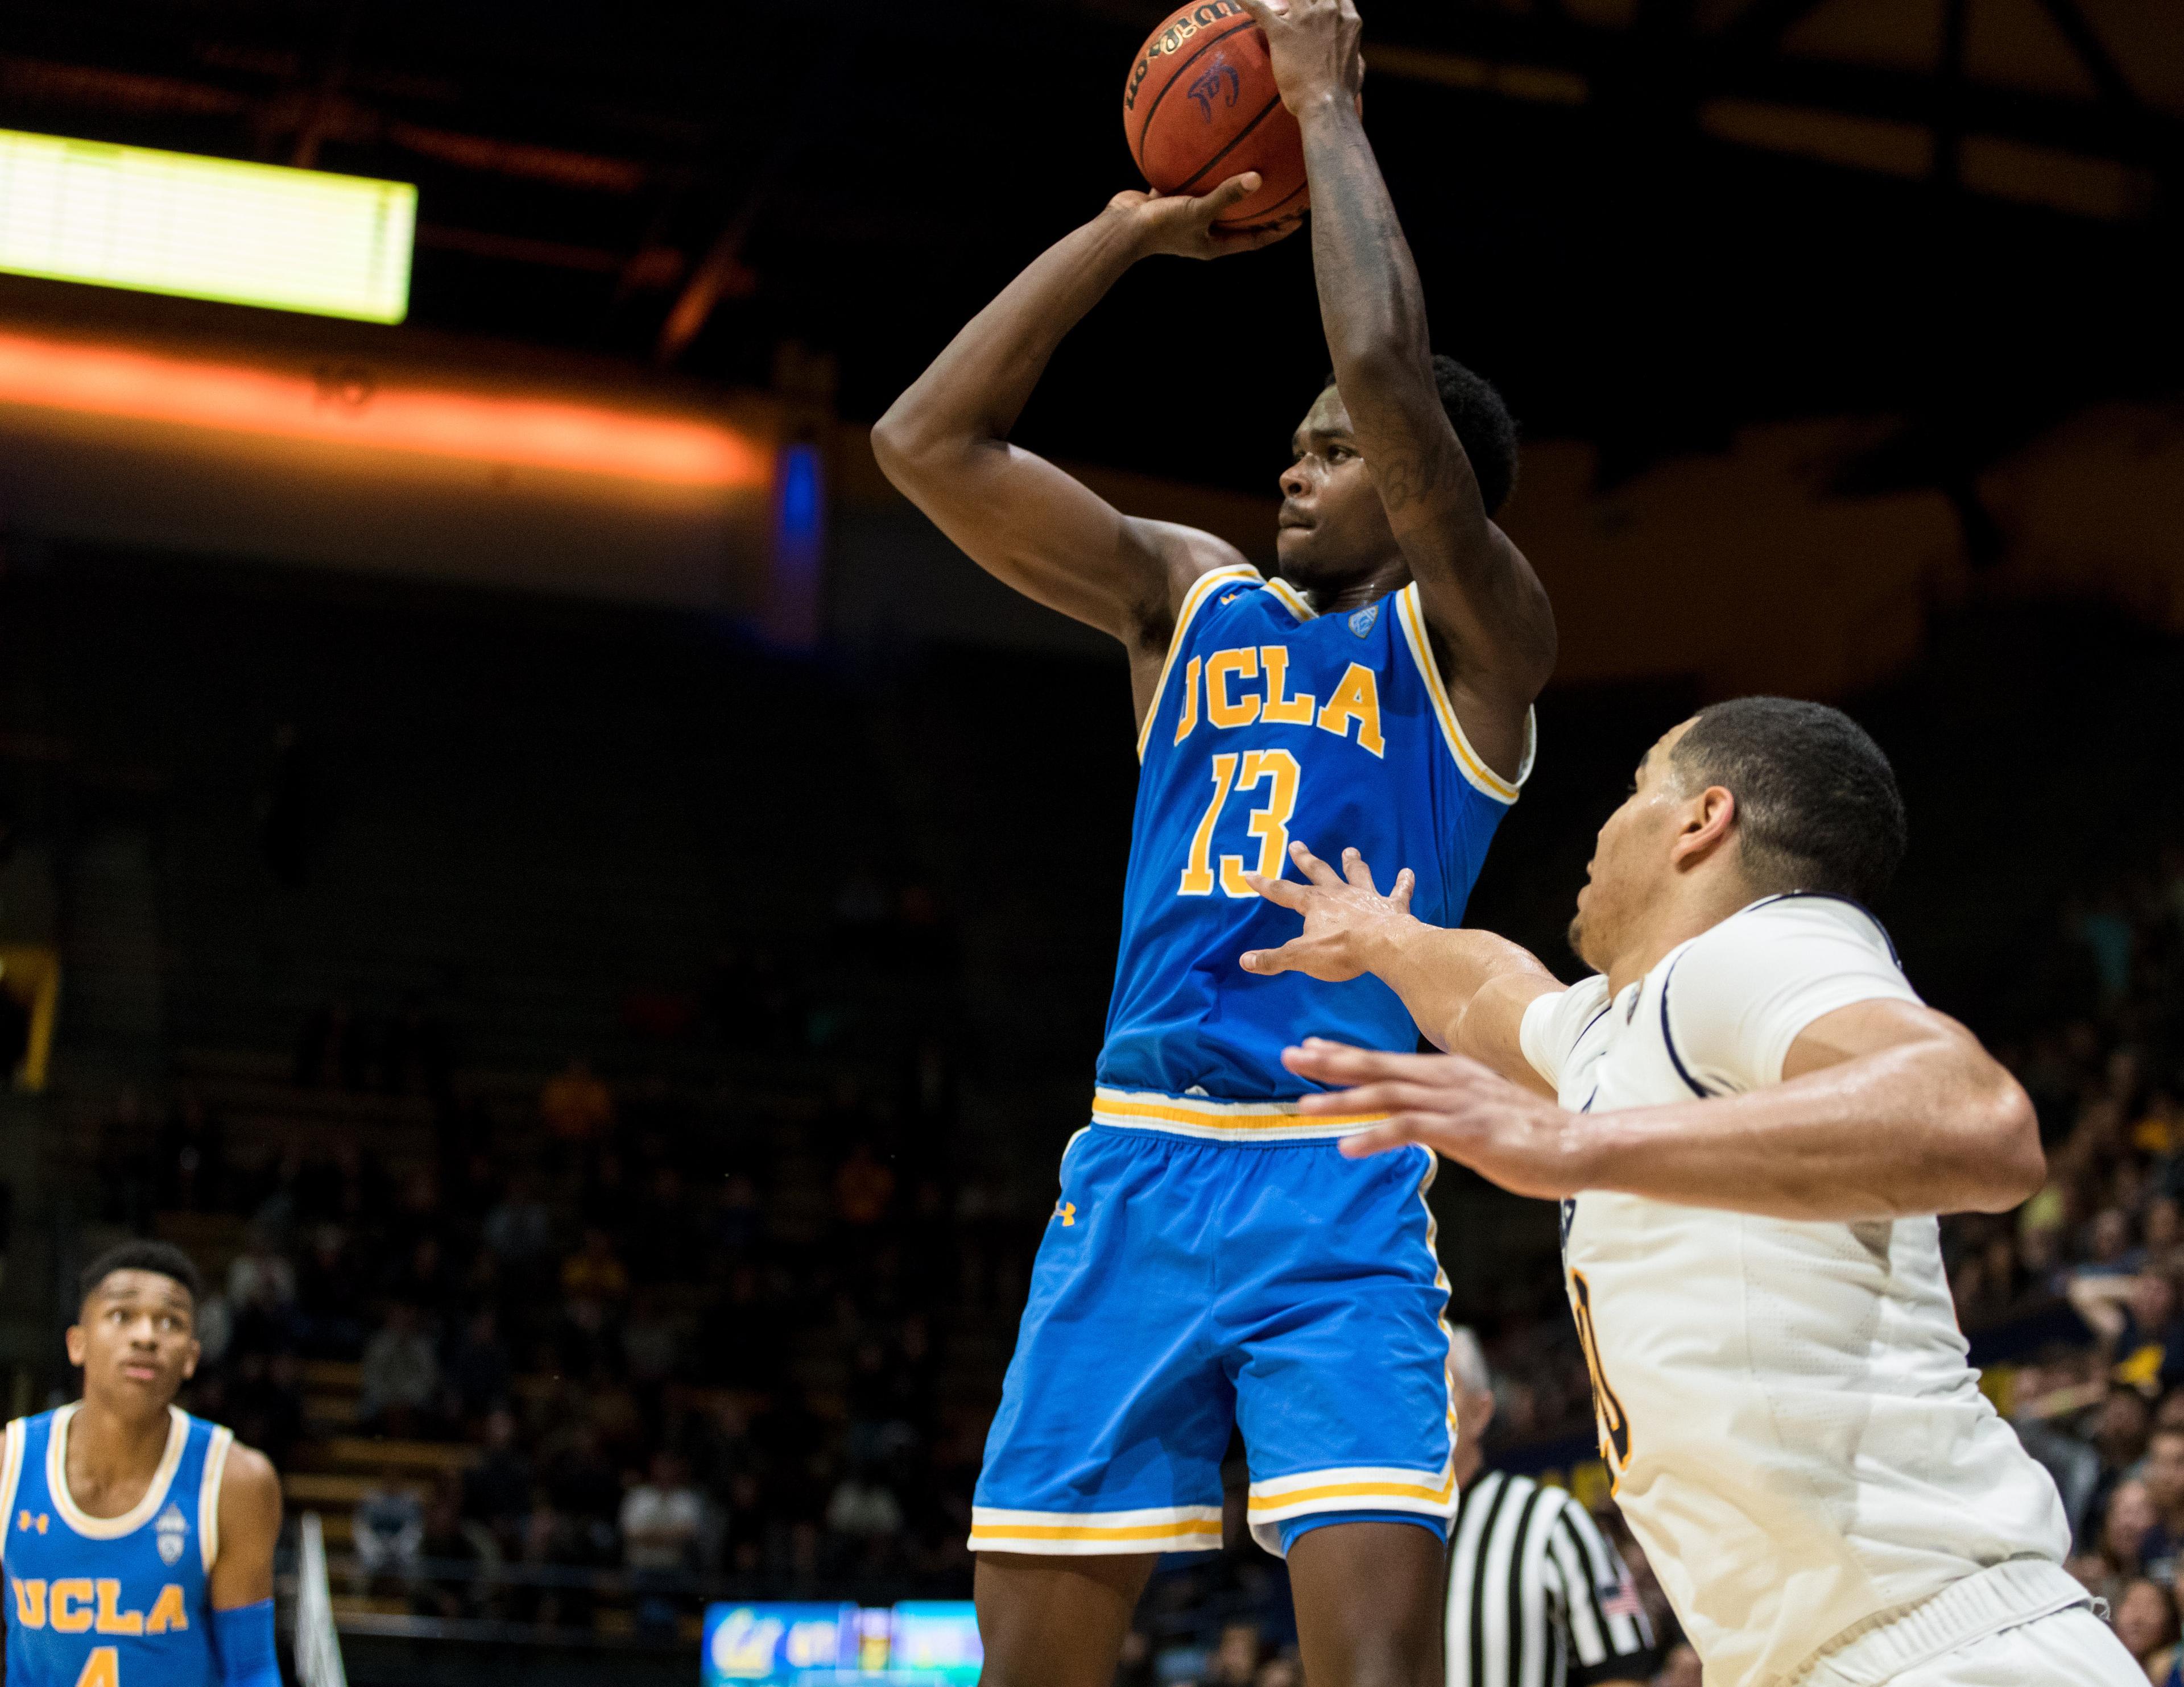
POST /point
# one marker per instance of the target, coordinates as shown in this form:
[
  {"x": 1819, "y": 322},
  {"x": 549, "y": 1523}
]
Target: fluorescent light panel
[{"x": 205, "y": 228}]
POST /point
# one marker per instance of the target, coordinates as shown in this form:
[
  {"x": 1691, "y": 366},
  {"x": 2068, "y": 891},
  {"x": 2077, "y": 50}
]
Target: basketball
[{"x": 1201, "y": 106}]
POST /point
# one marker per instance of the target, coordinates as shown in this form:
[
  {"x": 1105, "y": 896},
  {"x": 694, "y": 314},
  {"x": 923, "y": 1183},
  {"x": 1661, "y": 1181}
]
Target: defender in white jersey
[{"x": 1751, "y": 1121}]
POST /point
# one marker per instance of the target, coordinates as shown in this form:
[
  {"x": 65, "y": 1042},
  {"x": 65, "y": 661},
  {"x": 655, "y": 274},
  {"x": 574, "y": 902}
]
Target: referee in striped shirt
[{"x": 1537, "y": 1596}]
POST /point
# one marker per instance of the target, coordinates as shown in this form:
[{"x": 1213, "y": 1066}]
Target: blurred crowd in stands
[
  {"x": 693, "y": 1341},
  {"x": 2074, "y": 1303},
  {"x": 762, "y": 1345}
]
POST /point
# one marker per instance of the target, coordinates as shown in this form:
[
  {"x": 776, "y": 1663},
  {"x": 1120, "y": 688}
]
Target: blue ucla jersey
[
  {"x": 110, "y": 1601},
  {"x": 1272, "y": 723}
]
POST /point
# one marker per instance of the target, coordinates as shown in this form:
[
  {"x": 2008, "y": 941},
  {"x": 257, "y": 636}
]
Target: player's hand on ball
[
  {"x": 1315, "y": 46},
  {"x": 1345, "y": 917},
  {"x": 1182, "y": 225},
  {"x": 1454, "y": 1106}
]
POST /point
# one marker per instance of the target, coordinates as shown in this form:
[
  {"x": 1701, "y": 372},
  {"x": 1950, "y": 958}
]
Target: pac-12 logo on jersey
[
  {"x": 173, "y": 1528},
  {"x": 1361, "y": 622}
]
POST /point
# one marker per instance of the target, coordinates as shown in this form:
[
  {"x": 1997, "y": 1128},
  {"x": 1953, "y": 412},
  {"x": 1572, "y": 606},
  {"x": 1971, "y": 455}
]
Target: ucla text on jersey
[
  {"x": 110, "y": 1601},
  {"x": 1273, "y": 722}
]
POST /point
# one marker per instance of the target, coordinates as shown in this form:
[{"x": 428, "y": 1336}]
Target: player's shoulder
[
  {"x": 1797, "y": 927},
  {"x": 248, "y": 1478}
]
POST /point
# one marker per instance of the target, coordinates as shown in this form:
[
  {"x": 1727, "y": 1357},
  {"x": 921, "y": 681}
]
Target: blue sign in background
[{"x": 920, "y": 1643}]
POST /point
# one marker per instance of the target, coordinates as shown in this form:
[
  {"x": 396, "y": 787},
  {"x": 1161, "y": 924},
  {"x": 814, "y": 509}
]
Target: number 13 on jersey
[{"x": 1235, "y": 772}]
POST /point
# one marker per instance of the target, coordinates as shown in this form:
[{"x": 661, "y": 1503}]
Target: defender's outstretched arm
[
  {"x": 1467, "y": 990},
  {"x": 1486, "y": 606},
  {"x": 945, "y": 441}
]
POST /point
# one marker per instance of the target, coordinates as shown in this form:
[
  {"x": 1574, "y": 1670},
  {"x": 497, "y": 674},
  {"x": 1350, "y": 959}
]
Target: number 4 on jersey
[
  {"x": 1232, "y": 772},
  {"x": 102, "y": 1668}
]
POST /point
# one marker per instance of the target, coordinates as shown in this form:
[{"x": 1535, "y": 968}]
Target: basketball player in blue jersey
[
  {"x": 138, "y": 1547},
  {"x": 1213, "y": 1260}
]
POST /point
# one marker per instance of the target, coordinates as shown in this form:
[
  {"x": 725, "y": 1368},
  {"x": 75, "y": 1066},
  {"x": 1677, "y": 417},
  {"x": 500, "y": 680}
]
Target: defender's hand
[
  {"x": 1346, "y": 920},
  {"x": 1315, "y": 49},
  {"x": 1183, "y": 226},
  {"x": 1455, "y": 1106}
]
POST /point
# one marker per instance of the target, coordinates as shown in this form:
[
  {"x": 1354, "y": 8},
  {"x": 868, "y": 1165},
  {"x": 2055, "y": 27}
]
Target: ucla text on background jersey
[
  {"x": 111, "y": 1601},
  {"x": 1213, "y": 1260}
]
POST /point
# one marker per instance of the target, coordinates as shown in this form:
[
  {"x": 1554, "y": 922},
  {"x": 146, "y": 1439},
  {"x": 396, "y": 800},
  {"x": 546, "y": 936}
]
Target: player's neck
[
  {"x": 1692, "y": 907},
  {"x": 107, "y": 1446},
  {"x": 1341, "y": 597}
]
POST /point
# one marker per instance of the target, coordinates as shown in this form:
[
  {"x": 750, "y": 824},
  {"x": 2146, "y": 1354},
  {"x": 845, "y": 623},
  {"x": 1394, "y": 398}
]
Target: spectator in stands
[
  {"x": 478, "y": 1371},
  {"x": 576, "y": 1105},
  {"x": 401, "y": 1374},
  {"x": 863, "y": 1188},
  {"x": 388, "y": 1530},
  {"x": 662, "y": 1520},
  {"x": 519, "y": 1228},
  {"x": 459, "y": 1559},
  {"x": 2146, "y": 1621},
  {"x": 2163, "y": 1474},
  {"x": 329, "y": 1298},
  {"x": 497, "y": 1489}
]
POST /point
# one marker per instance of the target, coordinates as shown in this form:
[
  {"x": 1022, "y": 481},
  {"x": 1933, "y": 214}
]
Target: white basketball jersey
[{"x": 1794, "y": 1435}]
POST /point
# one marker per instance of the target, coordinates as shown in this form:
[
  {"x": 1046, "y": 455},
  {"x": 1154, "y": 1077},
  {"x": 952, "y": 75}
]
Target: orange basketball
[{"x": 1201, "y": 106}]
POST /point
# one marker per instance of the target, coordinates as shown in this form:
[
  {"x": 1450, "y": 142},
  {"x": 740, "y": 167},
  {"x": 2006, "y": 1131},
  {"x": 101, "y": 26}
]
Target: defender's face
[
  {"x": 1334, "y": 527},
  {"x": 1630, "y": 858},
  {"x": 136, "y": 1339}
]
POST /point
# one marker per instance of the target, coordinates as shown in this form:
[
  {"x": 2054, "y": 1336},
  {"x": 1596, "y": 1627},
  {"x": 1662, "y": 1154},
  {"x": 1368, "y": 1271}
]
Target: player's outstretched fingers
[
  {"x": 1280, "y": 890},
  {"x": 1269, "y": 961},
  {"x": 1399, "y": 893},
  {"x": 1377, "y": 1139},
  {"x": 1360, "y": 876},
  {"x": 1312, "y": 867}
]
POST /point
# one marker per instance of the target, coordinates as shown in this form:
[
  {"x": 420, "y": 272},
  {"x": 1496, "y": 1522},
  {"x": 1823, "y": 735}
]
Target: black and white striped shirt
[{"x": 1537, "y": 1596}]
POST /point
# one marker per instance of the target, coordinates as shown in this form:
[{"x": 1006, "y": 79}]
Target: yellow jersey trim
[
  {"x": 1193, "y": 600},
  {"x": 1485, "y": 778},
  {"x": 1193, "y": 1116},
  {"x": 1293, "y": 600}
]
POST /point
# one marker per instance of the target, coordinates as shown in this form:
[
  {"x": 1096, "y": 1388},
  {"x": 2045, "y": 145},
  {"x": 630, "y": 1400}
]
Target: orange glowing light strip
[{"x": 104, "y": 381}]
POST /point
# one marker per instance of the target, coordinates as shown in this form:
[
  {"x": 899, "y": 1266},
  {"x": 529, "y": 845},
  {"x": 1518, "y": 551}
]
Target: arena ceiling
[{"x": 1650, "y": 220}]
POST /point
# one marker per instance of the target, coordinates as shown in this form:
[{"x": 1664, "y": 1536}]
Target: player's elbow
[
  {"x": 2006, "y": 1164},
  {"x": 896, "y": 443}
]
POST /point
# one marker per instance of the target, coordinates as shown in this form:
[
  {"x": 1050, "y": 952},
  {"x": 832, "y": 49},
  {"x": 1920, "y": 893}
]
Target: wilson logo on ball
[
  {"x": 1201, "y": 106},
  {"x": 1170, "y": 35}
]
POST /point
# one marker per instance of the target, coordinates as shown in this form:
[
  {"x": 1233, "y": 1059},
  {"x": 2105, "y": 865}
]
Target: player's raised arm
[
  {"x": 945, "y": 441},
  {"x": 1489, "y": 613},
  {"x": 1467, "y": 990}
]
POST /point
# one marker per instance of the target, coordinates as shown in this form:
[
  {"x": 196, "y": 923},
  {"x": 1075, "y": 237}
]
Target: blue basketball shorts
[{"x": 1186, "y": 1287}]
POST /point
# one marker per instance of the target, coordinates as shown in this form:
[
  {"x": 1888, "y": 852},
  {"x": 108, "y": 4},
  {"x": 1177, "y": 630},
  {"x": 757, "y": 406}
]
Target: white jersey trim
[
  {"x": 1165, "y": 1528},
  {"x": 1411, "y": 613},
  {"x": 223, "y": 1440},
  {"x": 1193, "y": 600},
  {"x": 155, "y": 1491},
  {"x": 11, "y": 1476}
]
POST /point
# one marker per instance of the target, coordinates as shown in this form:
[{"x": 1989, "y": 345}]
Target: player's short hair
[
  {"x": 1817, "y": 806},
  {"x": 163, "y": 1257},
  {"x": 1484, "y": 427},
  {"x": 1467, "y": 1361}
]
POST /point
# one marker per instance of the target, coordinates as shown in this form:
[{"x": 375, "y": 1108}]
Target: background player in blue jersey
[
  {"x": 1213, "y": 1262},
  {"x": 138, "y": 1543}
]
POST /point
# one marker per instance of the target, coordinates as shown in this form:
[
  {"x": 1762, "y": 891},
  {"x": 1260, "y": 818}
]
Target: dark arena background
[{"x": 590, "y": 921}]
